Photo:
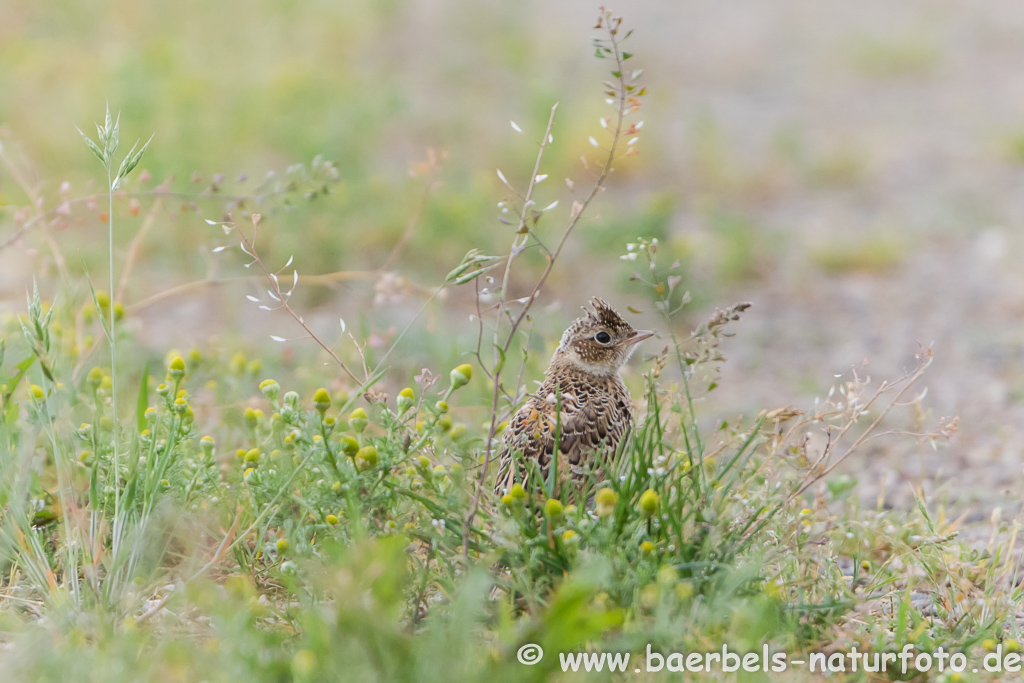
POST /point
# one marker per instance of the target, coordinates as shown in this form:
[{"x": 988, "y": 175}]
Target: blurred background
[{"x": 853, "y": 170}]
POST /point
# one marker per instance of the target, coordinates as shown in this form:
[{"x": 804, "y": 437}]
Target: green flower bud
[
  {"x": 332, "y": 520},
  {"x": 163, "y": 390},
  {"x": 321, "y": 401},
  {"x": 442, "y": 406},
  {"x": 270, "y": 389},
  {"x": 150, "y": 416},
  {"x": 180, "y": 406},
  {"x": 250, "y": 417},
  {"x": 647, "y": 547},
  {"x": 507, "y": 500},
  {"x": 291, "y": 399},
  {"x": 349, "y": 446},
  {"x": 206, "y": 445},
  {"x": 176, "y": 369},
  {"x": 366, "y": 458},
  {"x": 95, "y": 377},
  {"x": 517, "y": 491},
  {"x": 553, "y": 508},
  {"x": 358, "y": 420},
  {"x": 253, "y": 455},
  {"x": 461, "y": 375},
  {"x": 282, "y": 545},
  {"x": 37, "y": 392},
  {"x": 569, "y": 536},
  {"x": 649, "y": 502},
  {"x": 85, "y": 457}
]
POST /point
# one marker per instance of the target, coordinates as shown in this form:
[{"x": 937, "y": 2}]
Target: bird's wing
[{"x": 588, "y": 424}]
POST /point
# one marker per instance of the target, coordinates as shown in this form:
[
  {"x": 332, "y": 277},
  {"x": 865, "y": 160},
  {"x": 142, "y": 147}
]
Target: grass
[
  {"x": 240, "y": 511},
  {"x": 871, "y": 254}
]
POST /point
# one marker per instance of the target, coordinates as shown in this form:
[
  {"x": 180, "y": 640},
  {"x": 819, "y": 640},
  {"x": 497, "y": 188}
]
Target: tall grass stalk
[{"x": 108, "y": 138}]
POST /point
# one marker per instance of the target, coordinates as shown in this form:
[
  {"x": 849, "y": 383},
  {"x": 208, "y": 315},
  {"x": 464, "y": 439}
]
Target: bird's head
[{"x": 600, "y": 342}]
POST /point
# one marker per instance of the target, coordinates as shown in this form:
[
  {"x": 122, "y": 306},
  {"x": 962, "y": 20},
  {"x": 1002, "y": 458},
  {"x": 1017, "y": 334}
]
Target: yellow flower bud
[
  {"x": 605, "y": 501},
  {"x": 366, "y": 458},
  {"x": 649, "y": 502},
  {"x": 349, "y": 446},
  {"x": 270, "y": 389},
  {"x": 358, "y": 420},
  {"x": 553, "y": 507},
  {"x": 176, "y": 368},
  {"x": 321, "y": 400},
  {"x": 461, "y": 375},
  {"x": 405, "y": 400}
]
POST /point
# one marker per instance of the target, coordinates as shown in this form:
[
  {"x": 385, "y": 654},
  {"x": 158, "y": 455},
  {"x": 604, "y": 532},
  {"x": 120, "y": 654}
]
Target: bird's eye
[{"x": 602, "y": 337}]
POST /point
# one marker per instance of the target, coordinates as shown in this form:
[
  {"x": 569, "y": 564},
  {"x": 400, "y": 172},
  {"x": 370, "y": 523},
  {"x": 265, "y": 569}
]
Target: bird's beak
[{"x": 638, "y": 336}]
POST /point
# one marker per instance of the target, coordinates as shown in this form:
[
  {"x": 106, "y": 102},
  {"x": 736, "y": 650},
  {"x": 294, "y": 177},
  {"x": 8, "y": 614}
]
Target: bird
[{"x": 582, "y": 380}]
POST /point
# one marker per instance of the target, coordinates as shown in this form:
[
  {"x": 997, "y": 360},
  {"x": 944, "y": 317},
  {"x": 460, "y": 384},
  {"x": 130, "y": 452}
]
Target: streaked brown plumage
[{"x": 597, "y": 411}]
